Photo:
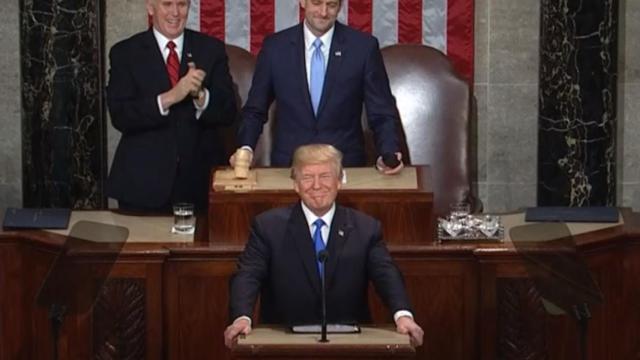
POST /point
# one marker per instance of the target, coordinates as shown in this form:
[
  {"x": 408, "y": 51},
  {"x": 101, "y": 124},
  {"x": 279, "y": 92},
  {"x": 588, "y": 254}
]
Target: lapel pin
[
  {"x": 340, "y": 233},
  {"x": 338, "y": 53}
]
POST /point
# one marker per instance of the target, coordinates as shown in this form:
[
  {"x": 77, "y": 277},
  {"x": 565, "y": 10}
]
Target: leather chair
[
  {"x": 435, "y": 107},
  {"x": 241, "y": 66}
]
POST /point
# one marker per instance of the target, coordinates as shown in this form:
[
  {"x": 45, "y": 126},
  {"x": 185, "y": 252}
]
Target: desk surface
[
  {"x": 142, "y": 229},
  {"x": 367, "y": 336},
  {"x": 273, "y": 179},
  {"x": 157, "y": 229}
]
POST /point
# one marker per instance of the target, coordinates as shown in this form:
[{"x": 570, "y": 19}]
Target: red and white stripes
[{"x": 444, "y": 24}]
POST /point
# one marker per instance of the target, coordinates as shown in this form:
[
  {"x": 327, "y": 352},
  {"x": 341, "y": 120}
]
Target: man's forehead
[
  {"x": 328, "y": 2},
  {"x": 316, "y": 168},
  {"x": 168, "y": 2}
]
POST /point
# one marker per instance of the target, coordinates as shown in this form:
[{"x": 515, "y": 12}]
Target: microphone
[
  {"x": 323, "y": 255},
  {"x": 390, "y": 160}
]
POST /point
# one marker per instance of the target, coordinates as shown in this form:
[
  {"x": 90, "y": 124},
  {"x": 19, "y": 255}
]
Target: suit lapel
[
  {"x": 333, "y": 66},
  {"x": 340, "y": 229},
  {"x": 157, "y": 68},
  {"x": 298, "y": 230},
  {"x": 187, "y": 52},
  {"x": 298, "y": 54}
]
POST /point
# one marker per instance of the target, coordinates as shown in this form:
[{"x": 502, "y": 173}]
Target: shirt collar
[
  {"x": 309, "y": 37},
  {"x": 311, "y": 217},
  {"x": 163, "y": 40}
]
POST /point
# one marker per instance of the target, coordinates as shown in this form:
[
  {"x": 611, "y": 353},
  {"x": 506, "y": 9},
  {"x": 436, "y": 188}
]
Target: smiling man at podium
[{"x": 280, "y": 261}]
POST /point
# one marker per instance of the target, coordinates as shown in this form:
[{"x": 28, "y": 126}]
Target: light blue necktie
[
  {"x": 318, "y": 242},
  {"x": 316, "y": 75}
]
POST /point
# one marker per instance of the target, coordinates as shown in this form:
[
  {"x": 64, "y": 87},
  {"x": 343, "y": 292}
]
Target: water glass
[{"x": 184, "y": 221}]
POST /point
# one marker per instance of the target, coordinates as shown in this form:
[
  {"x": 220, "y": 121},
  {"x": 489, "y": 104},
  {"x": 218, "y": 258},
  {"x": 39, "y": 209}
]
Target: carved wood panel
[
  {"x": 119, "y": 320},
  {"x": 521, "y": 321}
]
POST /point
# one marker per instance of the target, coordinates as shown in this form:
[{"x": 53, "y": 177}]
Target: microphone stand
[{"x": 322, "y": 256}]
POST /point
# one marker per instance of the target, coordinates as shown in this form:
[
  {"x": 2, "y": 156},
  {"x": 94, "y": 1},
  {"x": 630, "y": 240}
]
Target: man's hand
[
  {"x": 232, "y": 159},
  {"x": 240, "y": 326},
  {"x": 190, "y": 83},
  {"x": 406, "y": 325},
  {"x": 387, "y": 170}
]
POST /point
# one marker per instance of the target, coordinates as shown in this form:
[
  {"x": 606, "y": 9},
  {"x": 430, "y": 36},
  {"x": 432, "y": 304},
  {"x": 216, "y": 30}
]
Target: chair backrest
[
  {"x": 435, "y": 107},
  {"x": 241, "y": 66},
  {"x": 435, "y": 110}
]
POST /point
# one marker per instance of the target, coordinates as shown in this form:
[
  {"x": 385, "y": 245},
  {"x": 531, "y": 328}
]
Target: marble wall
[
  {"x": 10, "y": 142},
  {"x": 506, "y": 86},
  {"x": 62, "y": 103},
  {"x": 628, "y": 153},
  {"x": 578, "y": 93}
]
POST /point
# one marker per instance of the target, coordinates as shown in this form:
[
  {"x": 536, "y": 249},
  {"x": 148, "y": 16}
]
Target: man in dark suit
[
  {"x": 320, "y": 73},
  {"x": 169, "y": 89},
  {"x": 280, "y": 258}
]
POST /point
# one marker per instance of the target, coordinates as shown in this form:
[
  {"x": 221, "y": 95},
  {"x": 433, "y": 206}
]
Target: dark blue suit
[
  {"x": 355, "y": 76},
  {"x": 164, "y": 159},
  {"x": 279, "y": 263}
]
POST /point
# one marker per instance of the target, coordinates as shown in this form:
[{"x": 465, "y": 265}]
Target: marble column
[
  {"x": 577, "y": 108},
  {"x": 63, "y": 130}
]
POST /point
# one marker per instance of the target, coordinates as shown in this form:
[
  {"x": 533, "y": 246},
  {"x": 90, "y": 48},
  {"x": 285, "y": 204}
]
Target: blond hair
[{"x": 314, "y": 154}]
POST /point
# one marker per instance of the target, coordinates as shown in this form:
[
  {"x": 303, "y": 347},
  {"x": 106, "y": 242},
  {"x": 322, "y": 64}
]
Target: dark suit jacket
[
  {"x": 279, "y": 261},
  {"x": 165, "y": 158},
  {"x": 355, "y": 76}
]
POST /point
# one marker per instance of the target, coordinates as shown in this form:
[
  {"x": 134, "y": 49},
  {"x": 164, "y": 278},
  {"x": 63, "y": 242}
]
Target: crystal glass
[
  {"x": 489, "y": 225},
  {"x": 184, "y": 222}
]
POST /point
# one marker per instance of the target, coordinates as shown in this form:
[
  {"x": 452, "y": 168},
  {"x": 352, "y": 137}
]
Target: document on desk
[
  {"x": 15, "y": 218},
  {"x": 331, "y": 329}
]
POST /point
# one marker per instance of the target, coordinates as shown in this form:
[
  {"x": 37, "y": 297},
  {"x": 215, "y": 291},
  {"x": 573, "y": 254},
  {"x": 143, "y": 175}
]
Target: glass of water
[{"x": 184, "y": 222}]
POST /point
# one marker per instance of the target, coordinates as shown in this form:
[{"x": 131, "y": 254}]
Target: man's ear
[
  {"x": 150, "y": 7},
  {"x": 296, "y": 187}
]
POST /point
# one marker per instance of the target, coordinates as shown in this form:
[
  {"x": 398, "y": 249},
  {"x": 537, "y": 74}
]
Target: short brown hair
[{"x": 316, "y": 154}]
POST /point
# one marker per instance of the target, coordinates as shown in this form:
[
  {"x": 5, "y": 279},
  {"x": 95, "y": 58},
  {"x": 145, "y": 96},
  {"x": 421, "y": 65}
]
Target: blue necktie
[
  {"x": 316, "y": 75},
  {"x": 318, "y": 242}
]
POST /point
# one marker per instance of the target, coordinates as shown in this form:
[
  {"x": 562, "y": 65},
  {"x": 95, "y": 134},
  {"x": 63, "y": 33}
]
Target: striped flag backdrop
[{"x": 444, "y": 24}]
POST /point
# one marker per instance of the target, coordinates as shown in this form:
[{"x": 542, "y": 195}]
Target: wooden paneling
[
  {"x": 407, "y": 215},
  {"x": 474, "y": 301}
]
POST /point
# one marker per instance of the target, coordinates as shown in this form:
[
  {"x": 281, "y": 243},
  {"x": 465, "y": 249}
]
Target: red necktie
[{"x": 173, "y": 64}]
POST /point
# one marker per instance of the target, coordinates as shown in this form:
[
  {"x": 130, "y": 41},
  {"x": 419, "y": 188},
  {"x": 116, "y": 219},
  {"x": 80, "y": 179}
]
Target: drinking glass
[{"x": 184, "y": 222}]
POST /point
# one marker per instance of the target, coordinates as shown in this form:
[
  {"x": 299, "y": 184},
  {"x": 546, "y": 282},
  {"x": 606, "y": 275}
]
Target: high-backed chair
[
  {"x": 435, "y": 110},
  {"x": 241, "y": 66},
  {"x": 435, "y": 107}
]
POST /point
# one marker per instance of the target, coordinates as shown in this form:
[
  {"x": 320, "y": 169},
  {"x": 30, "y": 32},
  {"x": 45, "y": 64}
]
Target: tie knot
[
  {"x": 171, "y": 45},
  {"x": 319, "y": 223},
  {"x": 317, "y": 43}
]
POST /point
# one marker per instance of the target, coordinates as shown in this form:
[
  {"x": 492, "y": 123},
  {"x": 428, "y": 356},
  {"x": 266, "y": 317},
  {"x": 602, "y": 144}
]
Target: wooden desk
[
  {"x": 403, "y": 203},
  {"x": 277, "y": 342},
  {"x": 169, "y": 300}
]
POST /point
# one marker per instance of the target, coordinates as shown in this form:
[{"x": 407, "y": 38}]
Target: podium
[
  {"x": 403, "y": 203},
  {"x": 278, "y": 343}
]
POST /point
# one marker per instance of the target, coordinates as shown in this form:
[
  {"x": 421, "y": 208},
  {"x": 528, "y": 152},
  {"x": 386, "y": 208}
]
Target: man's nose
[
  {"x": 316, "y": 182},
  {"x": 323, "y": 10},
  {"x": 174, "y": 10}
]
